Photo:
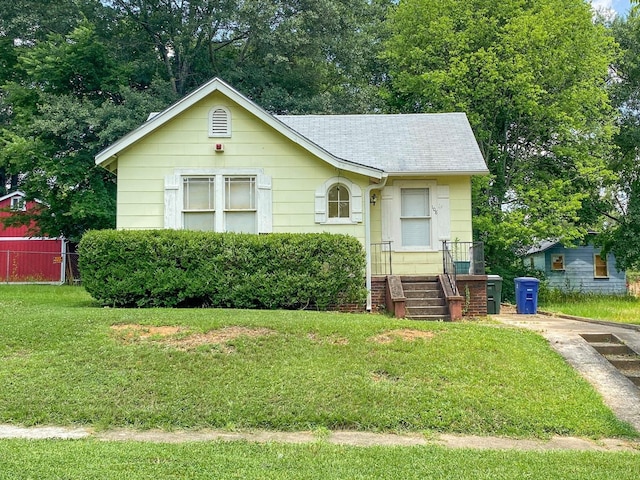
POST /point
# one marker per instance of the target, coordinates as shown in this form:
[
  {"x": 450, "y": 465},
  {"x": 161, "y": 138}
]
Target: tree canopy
[
  {"x": 552, "y": 95},
  {"x": 531, "y": 76}
]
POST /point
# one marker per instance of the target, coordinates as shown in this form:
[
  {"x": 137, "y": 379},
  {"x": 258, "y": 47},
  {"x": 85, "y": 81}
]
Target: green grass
[
  {"x": 62, "y": 364},
  {"x": 20, "y": 459},
  {"x": 613, "y": 308}
]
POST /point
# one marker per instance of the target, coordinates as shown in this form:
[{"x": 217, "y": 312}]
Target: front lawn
[
  {"x": 613, "y": 308},
  {"x": 20, "y": 459},
  {"x": 66, "y": 361}
]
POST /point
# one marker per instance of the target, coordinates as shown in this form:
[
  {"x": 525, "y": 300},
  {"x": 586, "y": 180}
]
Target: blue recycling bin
[{"x": 527, "y": 295}]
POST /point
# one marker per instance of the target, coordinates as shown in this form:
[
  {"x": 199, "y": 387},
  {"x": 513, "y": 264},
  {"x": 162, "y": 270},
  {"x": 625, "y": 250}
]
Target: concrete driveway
[{"x": 563, "y": 334}]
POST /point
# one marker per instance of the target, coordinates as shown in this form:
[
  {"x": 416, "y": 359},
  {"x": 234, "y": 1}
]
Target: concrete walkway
[
  {"x": 350, "y": 438},
  {"x": 622, "y": 396},
  {"x": 563, "y": 334}
]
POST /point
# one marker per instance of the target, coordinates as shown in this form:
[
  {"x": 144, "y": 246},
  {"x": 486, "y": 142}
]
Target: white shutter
[
  {"x": 356, "y": 203},
  {"x": 172, "y": 202},
  {"x": 265, "y": 204},
  {"x": 387, "y": 206},
  {"x": 443, "y": 213},
  {"x": 321, "y": 204}
]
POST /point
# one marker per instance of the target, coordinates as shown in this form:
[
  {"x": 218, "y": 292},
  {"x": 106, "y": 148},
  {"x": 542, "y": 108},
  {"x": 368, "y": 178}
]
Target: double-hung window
[
  {"x": 600, "y": 268},
  {"x": 240, "y": 204},
  {"x": 199, "y": 203},
  {"x": 415, "y": 218},
  {"x": 218, "y": 200}
]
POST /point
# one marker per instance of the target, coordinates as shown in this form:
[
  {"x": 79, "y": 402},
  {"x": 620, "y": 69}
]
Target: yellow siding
[
  {"x": 430, "y": 263},
  {"x": 183, "y": 143}
]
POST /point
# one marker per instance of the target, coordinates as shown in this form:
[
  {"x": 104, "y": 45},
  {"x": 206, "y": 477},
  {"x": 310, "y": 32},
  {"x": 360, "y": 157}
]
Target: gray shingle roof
[{"x": 408, "y": 143}]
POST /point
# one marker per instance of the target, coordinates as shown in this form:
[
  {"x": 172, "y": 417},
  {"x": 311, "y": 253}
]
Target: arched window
[
  {"x": 339, "y": 204},
  {"x": 338, "y": 200},
  {"x": 219, "y": 122}
]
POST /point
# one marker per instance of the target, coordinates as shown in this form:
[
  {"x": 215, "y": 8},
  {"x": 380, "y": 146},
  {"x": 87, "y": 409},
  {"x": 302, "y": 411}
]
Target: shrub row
[{"x": 169, "y": 268}]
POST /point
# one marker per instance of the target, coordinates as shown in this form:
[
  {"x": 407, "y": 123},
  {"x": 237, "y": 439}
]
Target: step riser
[
  {"x": 418, "y": 311},
  {"x": 613, "y": 349},
  {"x": 422, "y": 294},
  {"x": 635, "y": 380},
  {"x": 425, "y": 302},
  {"x": 630, "y": 364},
  {"x": 430, "y": 287}
]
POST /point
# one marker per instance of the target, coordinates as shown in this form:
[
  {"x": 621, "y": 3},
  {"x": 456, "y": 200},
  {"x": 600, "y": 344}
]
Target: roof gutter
[{"x": 367, "y": 233}]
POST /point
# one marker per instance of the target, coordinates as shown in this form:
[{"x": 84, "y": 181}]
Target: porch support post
[{"x": 367, "y": 233}]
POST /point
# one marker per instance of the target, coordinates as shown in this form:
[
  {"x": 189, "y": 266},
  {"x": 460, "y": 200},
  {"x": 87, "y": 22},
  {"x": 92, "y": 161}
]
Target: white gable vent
[{"x": 219, "y": 122}]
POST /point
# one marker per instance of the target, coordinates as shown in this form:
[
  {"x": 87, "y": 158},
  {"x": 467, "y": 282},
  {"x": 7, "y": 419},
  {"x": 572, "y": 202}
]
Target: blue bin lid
[{"x": 526, "y": 279}]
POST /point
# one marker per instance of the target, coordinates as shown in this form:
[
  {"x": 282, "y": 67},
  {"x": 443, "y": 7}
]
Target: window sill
[{"x": 339, "y": 221}]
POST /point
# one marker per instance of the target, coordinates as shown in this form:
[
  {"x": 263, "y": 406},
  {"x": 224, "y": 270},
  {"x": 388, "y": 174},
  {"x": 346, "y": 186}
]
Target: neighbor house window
[
  {"x": 415, "y": 218},
  {"x": 600, "y": 266},
  {"x": 339, "y": 205},
  {"x": 17, "y": 203},
  {"x": 240, "y": 204},
  {"x": 557, "y": 262},
  {"x": 219, "y": 122},
  {"x": 199, "y": 203}
]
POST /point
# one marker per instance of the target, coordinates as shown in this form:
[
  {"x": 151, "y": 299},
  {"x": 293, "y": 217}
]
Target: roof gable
[
  {"x": 109, "y": 154},
  {"x": 372, "y": 145}
]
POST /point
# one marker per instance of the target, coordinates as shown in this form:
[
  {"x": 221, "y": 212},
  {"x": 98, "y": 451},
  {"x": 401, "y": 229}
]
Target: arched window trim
[
  {"x": 322, "y": 202},
  {"x": 219, "y": 122}
]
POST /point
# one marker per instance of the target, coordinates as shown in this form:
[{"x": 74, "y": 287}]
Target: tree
[
  {"x": 69, "y": 106},
  {"x": 294, "y": 56},
  {"x": 531, "y": 77},
  {"x": 621, "y": 233}
]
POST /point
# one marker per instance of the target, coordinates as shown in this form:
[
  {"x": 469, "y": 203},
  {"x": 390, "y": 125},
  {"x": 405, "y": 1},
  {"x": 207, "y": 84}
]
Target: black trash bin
[{"x": 494, "y": 294}]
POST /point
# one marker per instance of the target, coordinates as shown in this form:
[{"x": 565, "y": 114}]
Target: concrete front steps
[
  {"x": 626, "y": 360},
  {"x": 425, "y": 299}
]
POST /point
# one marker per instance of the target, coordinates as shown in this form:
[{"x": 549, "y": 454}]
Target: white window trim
[
  {"x": 227, "y": 132},
  {"x": 174, "y": 196},
  {"x": 18, "y": 204},
  {"x": 322, "y": 202}
]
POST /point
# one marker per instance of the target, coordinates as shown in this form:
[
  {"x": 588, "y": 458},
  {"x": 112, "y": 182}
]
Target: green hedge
[{"x": 169, "y": 268}]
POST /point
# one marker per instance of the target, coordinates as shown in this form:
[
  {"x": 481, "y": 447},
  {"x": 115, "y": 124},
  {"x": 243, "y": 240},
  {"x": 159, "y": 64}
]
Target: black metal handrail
[
  {"x": 381, "y": 258},
  {"x": 449, "y": 267}
]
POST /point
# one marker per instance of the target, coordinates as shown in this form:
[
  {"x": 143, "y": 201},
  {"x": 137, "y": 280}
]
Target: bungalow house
[
  {"x": 577, "y": 268},
  {"x": 216, "y": 161},
  {"x": 25, "y": 258}
]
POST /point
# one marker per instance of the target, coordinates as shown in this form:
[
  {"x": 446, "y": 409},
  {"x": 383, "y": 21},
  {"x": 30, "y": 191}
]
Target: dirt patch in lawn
[
  {"x": 406, "y": 334},
  {"x": 181, "y": 338}
]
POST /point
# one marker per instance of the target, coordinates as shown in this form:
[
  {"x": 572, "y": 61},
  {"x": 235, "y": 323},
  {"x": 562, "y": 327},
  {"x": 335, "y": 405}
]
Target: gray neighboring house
[{"x": 577, "y": 268}]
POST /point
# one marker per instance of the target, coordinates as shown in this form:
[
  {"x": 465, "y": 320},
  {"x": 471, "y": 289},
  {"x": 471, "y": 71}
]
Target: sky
[{"x": 621, "y": 7}]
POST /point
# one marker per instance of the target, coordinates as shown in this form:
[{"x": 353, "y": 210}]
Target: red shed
[{"x": 25, "y": 258}]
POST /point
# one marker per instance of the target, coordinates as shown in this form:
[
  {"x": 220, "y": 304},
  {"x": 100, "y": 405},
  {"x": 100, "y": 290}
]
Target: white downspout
[{"x": 367, "y": 233}]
